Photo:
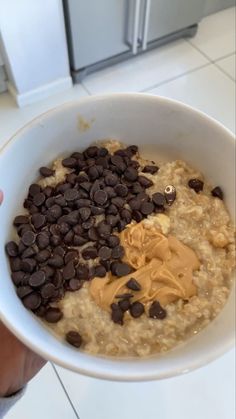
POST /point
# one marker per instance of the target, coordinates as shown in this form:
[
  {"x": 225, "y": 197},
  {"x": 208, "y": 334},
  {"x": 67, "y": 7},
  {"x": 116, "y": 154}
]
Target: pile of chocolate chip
[{"x": 48, "y": 260}]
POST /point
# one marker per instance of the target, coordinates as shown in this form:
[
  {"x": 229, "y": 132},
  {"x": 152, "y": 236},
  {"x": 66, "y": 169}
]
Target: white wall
[{"x": 34, "y": 46}]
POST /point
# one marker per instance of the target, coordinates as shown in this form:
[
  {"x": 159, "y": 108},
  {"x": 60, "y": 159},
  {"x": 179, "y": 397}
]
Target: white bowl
[{"x": 157, "y": 125}]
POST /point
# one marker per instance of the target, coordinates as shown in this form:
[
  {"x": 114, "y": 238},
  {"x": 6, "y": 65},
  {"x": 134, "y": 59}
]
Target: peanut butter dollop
[{"x": 163, "y": 267}]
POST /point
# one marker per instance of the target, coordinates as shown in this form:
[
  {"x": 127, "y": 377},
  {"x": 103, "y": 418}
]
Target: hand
[{"x": 18, "y": 364}]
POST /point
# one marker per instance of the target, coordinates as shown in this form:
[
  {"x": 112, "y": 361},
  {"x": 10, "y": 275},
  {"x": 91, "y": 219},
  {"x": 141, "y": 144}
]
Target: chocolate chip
[
  {"x": 196, "y": 184},
  {"x": 42, "y": 240},
  {"x": 55, "y": 240},
  {"x": 28, "y": 238},
  {"x": 29, "y": 252},
  {"x": 33, "y": 209},
  {"x": 93, "y": 173},
  {"x": 113, "y": 241},
  {"x": 118, "y": 201},
  {"x": 121, "y": 190},
  {"x": 100, "y": 271},
  {"x": 83, "y": 177},
  {"x": 147, "y": 208},
  {"x": 91, "y": 151},
  {"x": 118, "y": 162},
  {"x": 118, "y": 252},
  {"x": 126, "y": 215},
  {"x": 55, "y": 211},
  {"x": 49, "y": 271},
  {"x": 158, "y": 199},
  {"x": 112, "y": 209},
  {"x": 103, "y": 229},
  {"x": 145, "y": 182},
  {"x": 170, "y": 194},
  {"x": 156, "y": 311},
  {"x": 34, "y": 189},
  {"x": 15, "y": 264},
  {"x": 121, "y": 225},
  {"x": 71, "y": 178},
  {"x": 137, "y": 188},
  {"x": 71, "y": 194},
  {"x": 89, "y": 253},
  {"x": 68, "y": 271},
  {"x": 70, "y": 162},
  {"x": 56, "y": 261},
  {"x": 43, "y": 255},
  {"x": 78, "y": 240},
  {"x": 100, "y": 197},
  {"x": 86, "y": 186},
  {"x": 124, "y": 304},
  {"x": 70, "y": 256},
  {"x": 133, "y": 284},
  {"x": 82, "y": 272},
  {"x": 23, "y": 291},
  {"x": 111, "y": 179},
  {"x": 137, "y": 216},
  {"x": 131, "y": 174},
  {"x": 136, "y": 309},
  {"x": 150, "y": 169},
  {"x": 133, "y": 149},
  {"x": 39, "y": 199},
  {"x": 120, "y": 269},
  {"x": 110, "y": 192},
  {"x": 104, "y": 253},
  {"x": 88, "y": 224},
  {"x": 85, "y": 213},
  {"x": 64, "y": 228},
  {"x": 48, "y": 290},
  {"x": 32, "y": 301},
  {"x": 50, "y": 202},
  {"x": 12, "y": 249},
  {"x": 72, "y": 218},
  {"x": 97, "y": 210},
  {"x": 75, "y": 284},
  {"x": 80, "y": 203},
  {"x": 21, "y": 219},
  {"x": 92, "y": 234},
  {"x": 74, "y": 338},
  {"x": 17, "y": 277},
  {"x": 37, "y": 279},
  {"x": 117, "y": 314},
  {"x": 135, "y": 204},
  {"x": 53, "y": 315},
  {"x": 28, "y": 265},
  {"x": 217, "y": 192},
  {"x": 68, "y": 238},
  {"x": 48, "y": 191},
  {"x": 38, "y": 220},
  {"x": 45, "y": 171},
  {"x": 112, "y": 220}
]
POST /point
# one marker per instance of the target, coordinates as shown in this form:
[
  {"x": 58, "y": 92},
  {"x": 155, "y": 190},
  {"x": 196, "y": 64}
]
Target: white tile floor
[{"x": 198, "y": 71}]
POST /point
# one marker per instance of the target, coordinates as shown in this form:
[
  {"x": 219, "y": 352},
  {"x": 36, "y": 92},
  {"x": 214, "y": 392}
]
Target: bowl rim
[{"x": 103, "y": 371}]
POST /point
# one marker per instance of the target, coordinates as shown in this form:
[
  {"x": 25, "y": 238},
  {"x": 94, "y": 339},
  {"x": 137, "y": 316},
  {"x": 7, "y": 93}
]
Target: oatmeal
[{"x": 121, "y": 256}]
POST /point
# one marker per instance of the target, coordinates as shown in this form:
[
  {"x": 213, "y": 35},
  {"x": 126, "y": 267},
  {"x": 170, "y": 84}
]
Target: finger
[{"x": 1, "y": 197}]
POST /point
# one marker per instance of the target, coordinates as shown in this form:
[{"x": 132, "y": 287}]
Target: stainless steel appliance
[{"x": 103, "y": 32}]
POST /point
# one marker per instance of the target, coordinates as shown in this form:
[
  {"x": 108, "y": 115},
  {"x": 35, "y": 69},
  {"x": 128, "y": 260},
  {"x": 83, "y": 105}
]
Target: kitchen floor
[{"x": 199, "y": 71}]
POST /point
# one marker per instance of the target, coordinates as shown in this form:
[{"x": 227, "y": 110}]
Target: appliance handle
[
  {"x": 136, "y": 18},
  {"x": 146, "y": 23}
]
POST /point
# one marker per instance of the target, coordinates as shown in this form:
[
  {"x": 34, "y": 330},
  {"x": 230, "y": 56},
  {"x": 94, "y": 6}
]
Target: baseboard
[{"x": 41, "y": 92}]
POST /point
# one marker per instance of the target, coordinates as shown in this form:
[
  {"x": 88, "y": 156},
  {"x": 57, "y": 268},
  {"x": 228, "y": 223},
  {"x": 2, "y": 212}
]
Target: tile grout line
[
  {"x": 65, "y": 391},
  {"x": 175, "y": 78},
  {"x": 213, "y": 61}
]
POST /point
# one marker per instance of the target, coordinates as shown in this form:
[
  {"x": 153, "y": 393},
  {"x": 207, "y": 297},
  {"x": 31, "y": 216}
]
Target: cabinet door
[
  {"x": 97, "y": 29},
  {"x": 168, "y": 16}
]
